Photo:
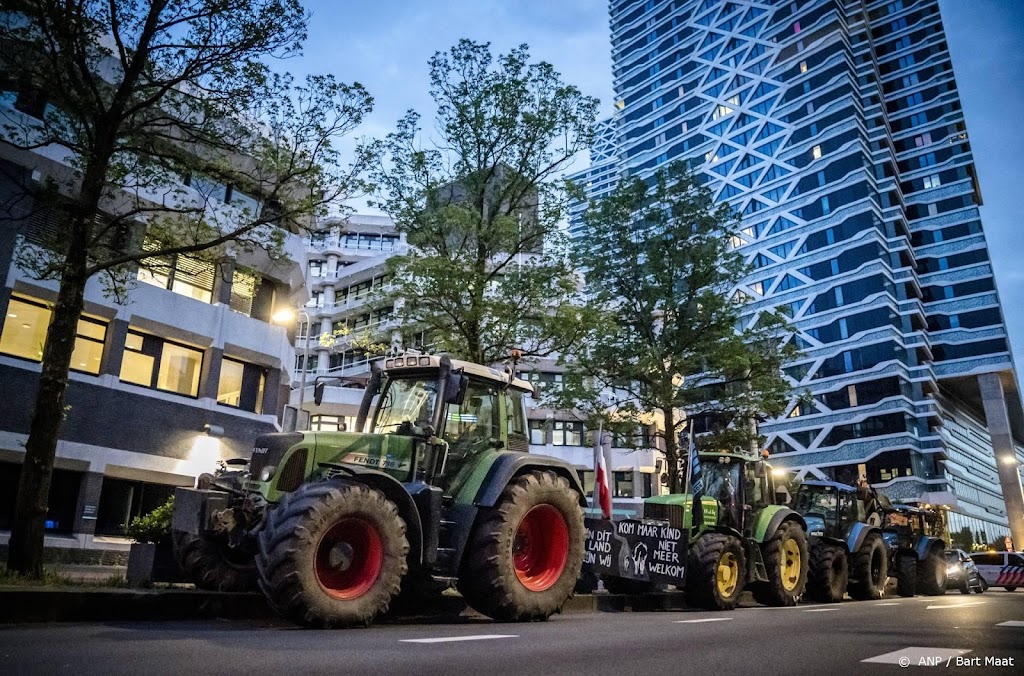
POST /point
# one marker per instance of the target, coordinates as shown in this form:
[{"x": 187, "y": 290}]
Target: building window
[
  {"x": 537, "y": 434},
  {"x": 241, "y": 385},
  {"x": 153, "y": 362},
  {"x": 179, "y": 273},
  {"x": 24, "y": 334},
  {"x": 623, "y": 487},
  {"x": 121, "y": 501},
  {"x": 243, "y": 291},
  {"x": 332, "y": 423},
  {"x": 316, "y": 268},
  {"x": 61, "y": 506},
  {"x": 816, "y": 152},
  {"x": 567, "y": 433}
]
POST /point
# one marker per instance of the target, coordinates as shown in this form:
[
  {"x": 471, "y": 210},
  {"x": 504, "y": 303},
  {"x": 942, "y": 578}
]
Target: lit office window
[
  {"x": 241, "y": 385},
  {"x": 179, "y": 273},
  {"x": 153, "y": 362},
  {"x": 24, "y": 334}
]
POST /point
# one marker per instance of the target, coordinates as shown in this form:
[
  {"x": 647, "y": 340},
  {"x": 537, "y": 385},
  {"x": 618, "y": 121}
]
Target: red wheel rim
[
  {"x": 349, "y": 558},
  {"x": 541, "y": 548}
]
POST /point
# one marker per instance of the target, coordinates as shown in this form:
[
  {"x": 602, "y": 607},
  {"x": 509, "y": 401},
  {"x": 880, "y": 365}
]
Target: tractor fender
[
  {"x": 924, "y": 545},
  {"x": 771, "y": 517},
  {"x": 396, "y": 493},
  {"x": 857, "y": 534},
  {"x": 509, "y": 464}
]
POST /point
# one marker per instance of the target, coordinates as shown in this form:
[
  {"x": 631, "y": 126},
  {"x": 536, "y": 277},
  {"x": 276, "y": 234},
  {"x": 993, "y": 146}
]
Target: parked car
[
  {"x": 961, "y": 573},
  {"x": 1001, "y": 569}
]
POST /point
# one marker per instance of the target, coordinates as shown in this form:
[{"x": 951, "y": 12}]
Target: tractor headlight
[{"x": 267, "y": 473}]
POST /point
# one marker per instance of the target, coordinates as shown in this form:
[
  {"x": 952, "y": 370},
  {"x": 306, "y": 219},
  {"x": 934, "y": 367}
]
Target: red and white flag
[{"x": 602, "y": 487}]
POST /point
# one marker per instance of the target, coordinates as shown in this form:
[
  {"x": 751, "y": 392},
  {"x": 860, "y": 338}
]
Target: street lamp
[{"x": 287, "y": 316}]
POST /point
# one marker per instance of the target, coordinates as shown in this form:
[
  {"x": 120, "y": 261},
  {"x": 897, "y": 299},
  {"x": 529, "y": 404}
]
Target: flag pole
[{"x": 597, "y": 464}]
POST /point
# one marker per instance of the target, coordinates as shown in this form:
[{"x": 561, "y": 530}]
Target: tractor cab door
[{"x": 470, "y": 428}]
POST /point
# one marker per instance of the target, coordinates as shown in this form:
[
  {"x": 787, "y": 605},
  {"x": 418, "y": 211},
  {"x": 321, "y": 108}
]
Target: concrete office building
[
  {"x": 187, "y": 371},
  {"x": 835, "y": 128}
]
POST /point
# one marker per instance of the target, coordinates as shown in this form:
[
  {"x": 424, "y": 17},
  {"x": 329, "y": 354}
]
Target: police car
[{"x": 1001, "y": 569}]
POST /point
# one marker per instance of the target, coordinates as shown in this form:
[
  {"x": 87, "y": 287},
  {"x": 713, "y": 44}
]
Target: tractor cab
[
  {"x": 829, "y": 507},
  {"x": 455, "y": 410},
  {"x": 741, "y": 485}
]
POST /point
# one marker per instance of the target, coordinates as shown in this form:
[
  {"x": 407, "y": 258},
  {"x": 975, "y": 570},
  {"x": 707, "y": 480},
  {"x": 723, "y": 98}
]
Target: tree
[
  {"x": 963, "y": 539},
  {"x": 661, "y": 272},
  {"x": 481, "y": 203},
  {"x": 134, "y": 96}
]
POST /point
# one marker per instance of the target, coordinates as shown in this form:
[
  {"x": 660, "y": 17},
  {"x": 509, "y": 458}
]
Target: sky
[{"x": 386, "y": 44}]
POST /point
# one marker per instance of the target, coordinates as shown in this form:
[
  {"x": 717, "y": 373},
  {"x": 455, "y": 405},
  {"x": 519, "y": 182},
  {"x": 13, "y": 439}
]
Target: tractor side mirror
[
  {"x": 318, "y": 392},
  {"x": 759, "y": 470},
  {"x": 455, "y": 389}
]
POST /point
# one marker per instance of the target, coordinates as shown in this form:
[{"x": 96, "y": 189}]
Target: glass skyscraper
[{"x": 835, "y": 128}]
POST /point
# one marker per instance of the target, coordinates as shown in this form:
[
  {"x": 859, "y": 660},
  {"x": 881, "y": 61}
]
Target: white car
[{"x": 1001, "y": 569}]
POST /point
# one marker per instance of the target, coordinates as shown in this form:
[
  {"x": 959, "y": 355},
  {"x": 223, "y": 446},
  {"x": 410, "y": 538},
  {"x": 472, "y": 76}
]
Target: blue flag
[{"x": 696, "y": 487}]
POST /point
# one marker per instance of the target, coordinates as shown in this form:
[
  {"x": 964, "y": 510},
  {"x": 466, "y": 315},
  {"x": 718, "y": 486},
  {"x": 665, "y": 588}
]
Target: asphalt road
[{"x": 853, "y": 637}]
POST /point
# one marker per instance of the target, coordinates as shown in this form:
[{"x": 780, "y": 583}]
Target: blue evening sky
[{"x": 386, "y": 44}]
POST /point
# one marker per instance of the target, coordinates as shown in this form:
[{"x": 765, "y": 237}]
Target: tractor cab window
[
  {"x": 722, "y": 482},
  {"x": 406, "y": 402},
  {"x": 518, "y": 435},
  {"x": 820, "y": 500},
  {"x": 471, "y": 426}
]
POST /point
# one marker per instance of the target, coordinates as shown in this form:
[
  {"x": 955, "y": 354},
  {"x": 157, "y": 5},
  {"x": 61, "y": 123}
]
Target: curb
[
  {"x": 25, "y": 605},
  {"x": 34, "y": 604}
]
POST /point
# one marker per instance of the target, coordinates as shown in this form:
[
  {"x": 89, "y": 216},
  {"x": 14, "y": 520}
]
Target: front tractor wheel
[
  {"x": 828, "y": 574},
  {"x": 786, "y": 563},
  {"x": 715, "y": 572},
  {"x": 210, "y": 563},
  {"x": 332, "y": 554},
  {"x": 524, "y": 555},
  {"x": 870, "y": 569},
  {"x": 931, "y": 573}
]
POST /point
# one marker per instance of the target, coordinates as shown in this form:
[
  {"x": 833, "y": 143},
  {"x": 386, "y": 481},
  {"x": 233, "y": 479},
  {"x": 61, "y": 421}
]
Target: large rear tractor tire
[
  {"x": 212, "y": 565},
  {"x": 828, "y": 574},
  {"x": 931, "y": 573},
  {"x": 524, "y": 555},
  {"x": 332, "y": 554},
  {"x": 906, "y": 575},
  {"x": 785, "y": 562},
  {"x": 715, "y": 572},
  {"x": 870, "y": 569}
]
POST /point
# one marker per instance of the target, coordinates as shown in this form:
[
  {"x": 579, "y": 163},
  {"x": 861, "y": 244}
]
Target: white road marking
[
  {"x": 1011, "y": 623},
  {"x": 705, "y": 619},
  {"x": 888, "y": 603},
  {"x": 955, "y": 605},
  {"x": 450, "y": 639},
  {"x": 917, "y": 656},
  {"x": 819, "y": 610}
]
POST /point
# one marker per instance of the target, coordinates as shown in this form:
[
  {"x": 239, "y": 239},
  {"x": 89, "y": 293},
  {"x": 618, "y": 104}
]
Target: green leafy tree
[
  {"x": 480, "y": 200},
  {"x": 132, "y": 97},
  {"x": 662, "y": 342}
]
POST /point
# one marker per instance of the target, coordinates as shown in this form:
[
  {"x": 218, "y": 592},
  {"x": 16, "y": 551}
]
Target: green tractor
[
  {"x": 917, "y": 551},
  {"x": 848, "y": 552},
  {"x": 441, "y": 490},
  {"x": 745, "y": 540}
]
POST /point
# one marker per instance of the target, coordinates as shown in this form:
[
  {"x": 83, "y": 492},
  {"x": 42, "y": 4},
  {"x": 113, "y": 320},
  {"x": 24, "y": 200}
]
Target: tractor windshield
[
  {"x": 820, "y": 500},
  {"x": 722, "y": 482},
  {"x": 406, "y": 401}
]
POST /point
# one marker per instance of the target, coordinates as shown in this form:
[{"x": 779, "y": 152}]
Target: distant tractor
[
  {"x": 848, "y": 552},
  {"x": 916, "y": 550},
  {"x": 439, "y": 490},
  {"x": 745, "y": 540}
]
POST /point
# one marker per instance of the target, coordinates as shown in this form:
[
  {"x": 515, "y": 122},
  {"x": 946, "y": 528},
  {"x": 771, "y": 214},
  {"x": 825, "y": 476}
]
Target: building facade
[
  {"x": 835, "y": 129},
  {"x": 185, "y": 370}
]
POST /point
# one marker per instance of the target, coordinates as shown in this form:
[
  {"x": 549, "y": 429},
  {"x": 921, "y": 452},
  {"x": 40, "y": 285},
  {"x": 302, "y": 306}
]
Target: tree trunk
[
  {"x": 671, "y": 451},
  {"x": 26, "y": 545}
]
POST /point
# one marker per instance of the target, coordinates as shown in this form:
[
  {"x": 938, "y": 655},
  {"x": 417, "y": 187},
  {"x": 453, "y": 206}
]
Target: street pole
[{"x": 305, "y": 368}]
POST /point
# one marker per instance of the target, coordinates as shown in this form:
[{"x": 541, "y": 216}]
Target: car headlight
[{"x": 267, "y": 473}]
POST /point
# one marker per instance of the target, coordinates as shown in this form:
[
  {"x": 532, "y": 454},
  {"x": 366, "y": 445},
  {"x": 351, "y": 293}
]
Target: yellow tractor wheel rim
[
  {"x": 790, "y": 565},
  {"x": 728, "y": 574}
]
